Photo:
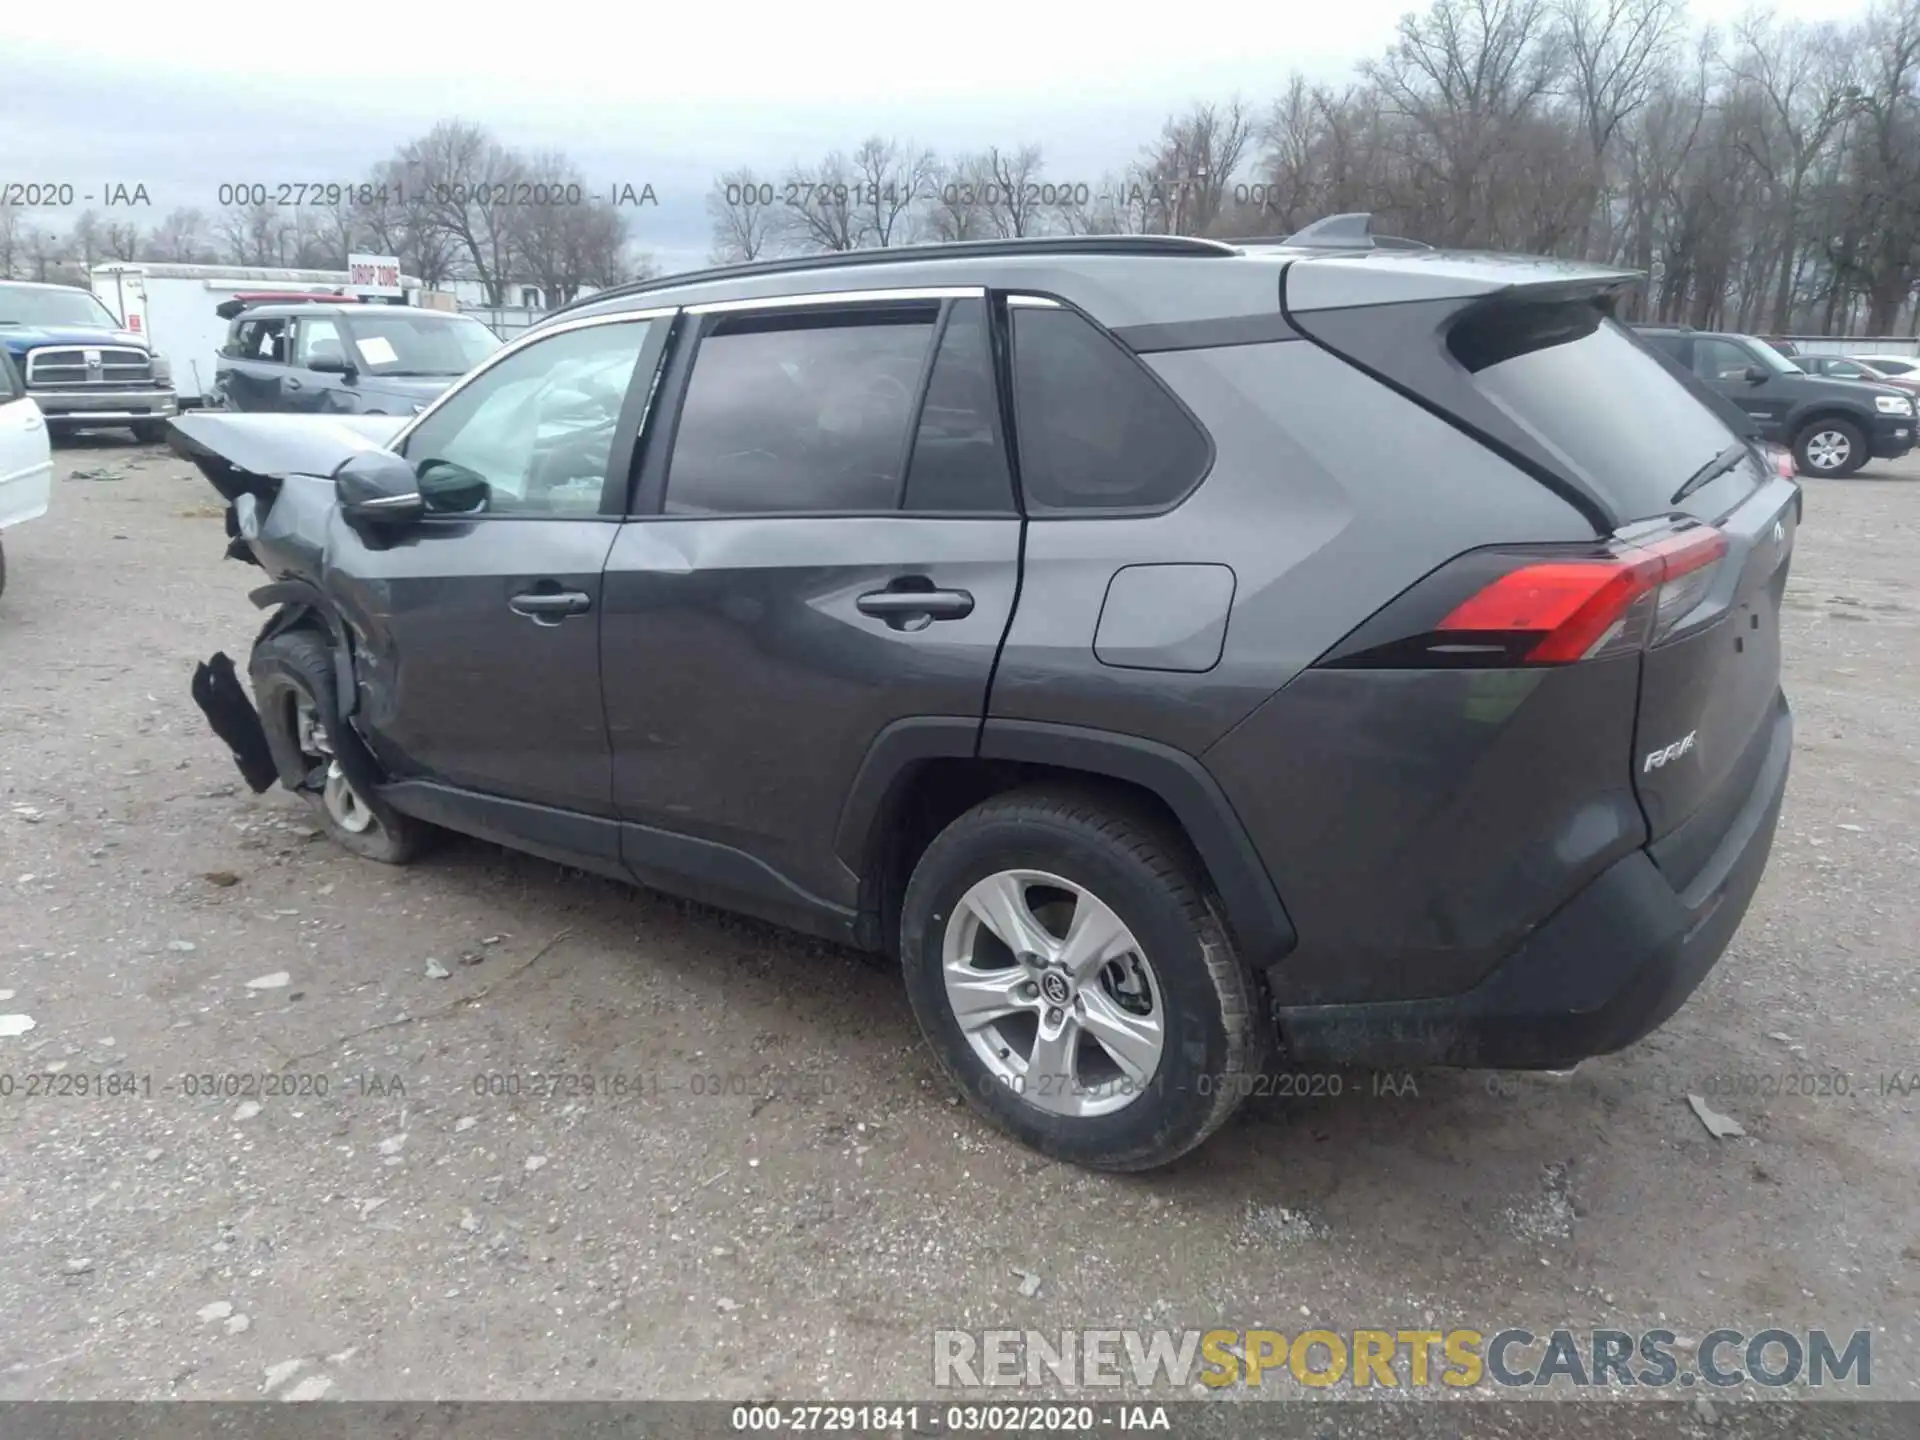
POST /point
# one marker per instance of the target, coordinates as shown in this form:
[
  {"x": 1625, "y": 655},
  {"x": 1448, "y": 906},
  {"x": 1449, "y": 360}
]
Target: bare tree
[
  {"x": 1193, "y": 166},
  {"x": 254, "y": 234},
  {"x": 740, "y": 210},
  {"x": 816, "y": 209},
  {"x": 469, "y": 185},
  {"x": 1013, "y": 179},
  {"x": 894, "y": 182},
  {"x": 1886, "y": 164},
  {"x": 567, "y": 237},
  {"x": 12, "y": 234},
  {"x": 183, "y": 237},
  {"x": 957, "y": 208},
  {"x": 395, "y": 217},
  {"x": 1615, "y": 52}
]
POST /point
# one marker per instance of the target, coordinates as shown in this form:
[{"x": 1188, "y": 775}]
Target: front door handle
[
  {"x": 295, "y": 385},
  {"x": 550, "y": 607},
  {"x": 915, "y": 609}
]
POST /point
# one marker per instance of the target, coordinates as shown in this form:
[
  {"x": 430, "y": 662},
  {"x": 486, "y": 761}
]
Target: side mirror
[
  {"x": 377, "y": 487},
  {"x": 1755, "y": 375},
  {"x": 329, "y": 365}
]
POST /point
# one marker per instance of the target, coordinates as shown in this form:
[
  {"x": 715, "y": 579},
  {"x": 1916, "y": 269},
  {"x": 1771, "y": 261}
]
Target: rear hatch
[{"x": 1694, "y": 531}]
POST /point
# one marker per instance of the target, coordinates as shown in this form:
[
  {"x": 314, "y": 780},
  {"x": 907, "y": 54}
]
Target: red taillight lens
[{"x": 1567, "y": 610}]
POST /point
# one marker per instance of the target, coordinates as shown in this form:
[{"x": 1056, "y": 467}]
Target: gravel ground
[{"x": 768, "y": 1189}]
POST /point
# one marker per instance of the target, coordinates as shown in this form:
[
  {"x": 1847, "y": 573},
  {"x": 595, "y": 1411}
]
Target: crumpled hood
[
  {"x": 236, "y": 452},
  {"x": 22, "y": 338}
]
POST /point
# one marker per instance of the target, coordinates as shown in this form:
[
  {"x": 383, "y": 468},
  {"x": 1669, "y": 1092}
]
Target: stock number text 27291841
[{"x": 317, "y": 194}]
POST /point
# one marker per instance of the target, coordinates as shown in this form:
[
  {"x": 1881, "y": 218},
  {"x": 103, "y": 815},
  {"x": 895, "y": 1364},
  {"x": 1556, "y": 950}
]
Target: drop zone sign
[{"x": 374, "y": 274}]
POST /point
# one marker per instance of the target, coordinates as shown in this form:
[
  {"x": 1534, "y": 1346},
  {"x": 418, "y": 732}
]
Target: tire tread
[{"x": 1140, "y": 836}]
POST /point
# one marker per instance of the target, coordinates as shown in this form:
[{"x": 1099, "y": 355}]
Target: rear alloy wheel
[
  {"x": 1066, "y": 963},
  {"x": 1830, "y": 447},
  {"x": 1073, "y": 1019}
]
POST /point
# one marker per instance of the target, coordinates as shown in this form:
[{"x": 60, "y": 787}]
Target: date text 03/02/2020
[{"x": 959, "y": 1419}]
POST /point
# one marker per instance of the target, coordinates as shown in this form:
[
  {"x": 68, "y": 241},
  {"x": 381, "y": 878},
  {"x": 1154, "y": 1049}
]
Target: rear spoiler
[{"x": 1406, "y": 344}]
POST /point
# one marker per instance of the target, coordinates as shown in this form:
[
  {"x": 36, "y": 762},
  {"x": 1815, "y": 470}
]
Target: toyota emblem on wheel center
[{"x": 1054, "y": 986}]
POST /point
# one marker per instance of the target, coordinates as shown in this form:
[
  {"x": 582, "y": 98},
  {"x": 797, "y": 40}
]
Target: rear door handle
[
  {"x": 294, "y": 385},
  {"x": 900, "y": 607},
  {"x": 550, "y": 607}
]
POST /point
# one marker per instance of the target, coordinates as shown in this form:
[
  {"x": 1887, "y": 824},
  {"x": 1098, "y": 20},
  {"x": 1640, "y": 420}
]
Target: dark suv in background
[
  {"x": 1169, "y": 649},
  {"x": 345, "y": 358},
  {"x": 1832, "y": 426}
]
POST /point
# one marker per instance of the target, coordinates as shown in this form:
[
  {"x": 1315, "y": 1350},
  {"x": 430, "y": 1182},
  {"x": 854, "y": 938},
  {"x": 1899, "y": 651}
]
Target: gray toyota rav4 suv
[{"x": 1177, "y": 653}]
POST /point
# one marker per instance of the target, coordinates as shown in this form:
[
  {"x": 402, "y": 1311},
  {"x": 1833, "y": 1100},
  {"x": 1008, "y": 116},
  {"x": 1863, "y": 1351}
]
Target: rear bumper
[
  {"x": 1609, "y": 967},
  {"x": 110, "y": 407}
]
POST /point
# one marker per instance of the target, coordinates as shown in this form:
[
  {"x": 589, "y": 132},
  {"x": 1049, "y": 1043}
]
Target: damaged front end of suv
[{"x": 281, "y": 477}]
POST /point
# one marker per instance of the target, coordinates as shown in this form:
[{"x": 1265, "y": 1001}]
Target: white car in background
[
  {"x": 26, "y": 457},
  {"x": 1900, "y": 367}
]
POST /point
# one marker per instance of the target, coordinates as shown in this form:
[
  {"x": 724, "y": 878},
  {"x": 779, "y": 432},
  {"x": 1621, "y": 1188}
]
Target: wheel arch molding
[{"x": 1254, "y": 911}]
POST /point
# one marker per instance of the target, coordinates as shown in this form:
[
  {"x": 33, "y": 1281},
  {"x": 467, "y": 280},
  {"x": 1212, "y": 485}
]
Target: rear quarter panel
[
  {"x": 1328, "y": 495},
  {"x": 1413, "y": 824}
]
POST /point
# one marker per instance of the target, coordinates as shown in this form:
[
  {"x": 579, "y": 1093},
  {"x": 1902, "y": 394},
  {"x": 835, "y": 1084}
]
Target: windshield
[
  {"x": 23, "y": 305},
  {"x": 415, "y": 342}
]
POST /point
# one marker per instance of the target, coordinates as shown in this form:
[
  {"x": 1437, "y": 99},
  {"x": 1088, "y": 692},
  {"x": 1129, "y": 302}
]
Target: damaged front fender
[{"x": 275, "y": 472}]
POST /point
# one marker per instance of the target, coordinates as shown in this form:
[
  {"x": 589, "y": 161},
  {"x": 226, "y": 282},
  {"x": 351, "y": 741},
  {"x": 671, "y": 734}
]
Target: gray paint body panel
[
  {"x": 1165, "y": 617},
  {"x": 743, "y": 686},
  {"x": 1307, "y": 504}
]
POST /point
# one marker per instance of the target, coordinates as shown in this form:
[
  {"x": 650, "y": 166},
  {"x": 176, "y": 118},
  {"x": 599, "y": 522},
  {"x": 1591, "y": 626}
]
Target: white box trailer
[{"x": 174, "y": 307}]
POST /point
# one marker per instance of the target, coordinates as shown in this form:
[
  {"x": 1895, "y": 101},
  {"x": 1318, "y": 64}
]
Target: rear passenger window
[
  {"x": 799, "y": 413},
  {"x": 1096, "y": 431},
  {"x": 959, "y": 461}
]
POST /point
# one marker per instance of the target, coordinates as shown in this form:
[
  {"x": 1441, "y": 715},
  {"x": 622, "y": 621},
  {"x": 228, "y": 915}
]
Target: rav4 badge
[{"x": 1657, "y": 758}]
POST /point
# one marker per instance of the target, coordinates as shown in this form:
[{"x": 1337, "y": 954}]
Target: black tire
[
  {"x": 150, "y": 432},
  {"x": 295, "y": 665},
  {"x": 1213, "y": 1012},
  {"x": 1856, "y": 440}
]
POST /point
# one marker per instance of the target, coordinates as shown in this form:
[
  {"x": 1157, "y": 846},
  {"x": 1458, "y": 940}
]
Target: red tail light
[
  {"x": 1573, "y": 609},
  {"x": 1493, "y": 608}
]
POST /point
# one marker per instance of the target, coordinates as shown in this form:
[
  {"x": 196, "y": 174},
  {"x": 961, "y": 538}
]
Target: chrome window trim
[
  {"x": 838, "y": 297},
  {"x": 514, "y": 347},
  {"x": 1032, "y": 302}
]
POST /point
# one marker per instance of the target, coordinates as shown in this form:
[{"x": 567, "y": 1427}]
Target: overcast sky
[{"x": 182, "y": 98}]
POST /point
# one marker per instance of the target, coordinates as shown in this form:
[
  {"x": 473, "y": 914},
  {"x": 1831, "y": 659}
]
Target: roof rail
[
  {"x": 247, "y": 299},
  {"x": 1353, "y": 231},
  {"x": 907, "y": 254}
]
